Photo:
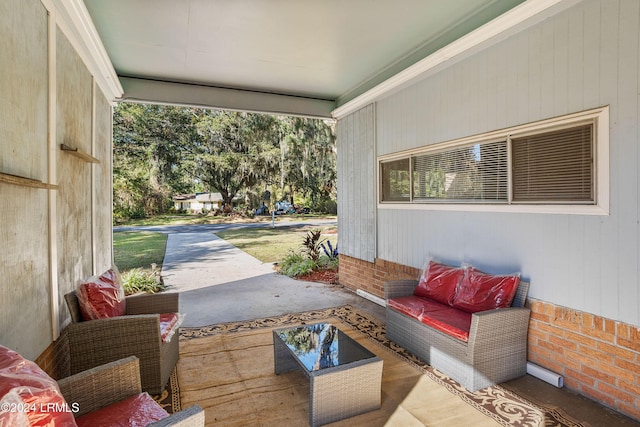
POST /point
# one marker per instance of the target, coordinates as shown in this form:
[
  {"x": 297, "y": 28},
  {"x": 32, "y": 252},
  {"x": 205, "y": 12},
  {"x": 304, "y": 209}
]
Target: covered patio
[
  {"x": 267, "y": 298},
  {"x": 403, "y": 80}
]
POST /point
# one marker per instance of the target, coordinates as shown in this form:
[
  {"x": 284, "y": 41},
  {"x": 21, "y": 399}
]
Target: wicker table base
[{"x": 344, "y": 377}]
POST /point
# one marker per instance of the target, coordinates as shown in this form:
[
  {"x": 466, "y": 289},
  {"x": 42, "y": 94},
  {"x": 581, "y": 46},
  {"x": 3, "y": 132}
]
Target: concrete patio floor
[{"x": 220, "y": 283}]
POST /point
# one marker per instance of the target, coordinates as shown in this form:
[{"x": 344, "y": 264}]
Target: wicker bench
[{"x": 496, "y": 349}]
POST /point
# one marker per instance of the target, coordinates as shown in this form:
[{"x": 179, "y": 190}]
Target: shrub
[
  {"x": 295, "y": 264},
  {"x": 137, "y": 280}
]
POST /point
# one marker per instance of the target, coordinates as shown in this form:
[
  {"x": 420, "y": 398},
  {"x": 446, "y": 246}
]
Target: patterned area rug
[{"x": 500, "y": 406}]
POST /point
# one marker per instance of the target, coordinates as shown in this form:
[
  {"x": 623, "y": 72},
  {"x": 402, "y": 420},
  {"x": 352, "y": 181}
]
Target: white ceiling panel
[{"x": 329, "y": 50}]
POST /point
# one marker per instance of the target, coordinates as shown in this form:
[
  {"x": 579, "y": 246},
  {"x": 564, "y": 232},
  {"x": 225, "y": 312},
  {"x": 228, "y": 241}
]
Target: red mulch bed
[{"x": 322, "y": 276}]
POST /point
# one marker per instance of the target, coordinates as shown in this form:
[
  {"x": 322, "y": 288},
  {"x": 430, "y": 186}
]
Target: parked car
[
  {"x": 283, "y": 207},
  {"x": 262, "y": 210}
]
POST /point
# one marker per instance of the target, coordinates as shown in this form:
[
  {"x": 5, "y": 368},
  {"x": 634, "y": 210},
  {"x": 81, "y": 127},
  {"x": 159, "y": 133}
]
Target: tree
[
  {"x": 309, "y": 159},
  {"x": 160, "y": 151},
  {"x": 150, "y": 143},
  {"x": 237, "y": 151}
]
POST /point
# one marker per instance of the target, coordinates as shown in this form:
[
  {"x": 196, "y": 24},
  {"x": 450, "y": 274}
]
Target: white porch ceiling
[{"x": 286, "y": 56}]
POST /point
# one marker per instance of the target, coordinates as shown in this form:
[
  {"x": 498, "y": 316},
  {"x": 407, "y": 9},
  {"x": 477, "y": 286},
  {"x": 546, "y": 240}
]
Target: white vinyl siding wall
[
  {"x": 582, "y": 58},
  {"x": 357, "y": 185}
]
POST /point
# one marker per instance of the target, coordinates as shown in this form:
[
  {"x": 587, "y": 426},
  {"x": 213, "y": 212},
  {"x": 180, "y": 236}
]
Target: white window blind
[
  {"x": 554, "y": 167},
  {"x": 473, "y": 173}
]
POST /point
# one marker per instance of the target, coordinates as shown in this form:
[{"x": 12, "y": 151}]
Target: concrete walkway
[{"x": 220, "y": 283}]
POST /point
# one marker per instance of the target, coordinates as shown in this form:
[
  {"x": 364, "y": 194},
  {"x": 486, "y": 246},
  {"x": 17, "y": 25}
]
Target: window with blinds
[
  {"x": 554, "y": 166},
  {"x": 553, "y": 162},
  {"x": 475, "y": 173}
]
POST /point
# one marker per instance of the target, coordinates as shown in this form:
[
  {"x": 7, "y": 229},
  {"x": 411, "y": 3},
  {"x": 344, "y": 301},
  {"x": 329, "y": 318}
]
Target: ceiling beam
[{"x": 171, "y": 93}]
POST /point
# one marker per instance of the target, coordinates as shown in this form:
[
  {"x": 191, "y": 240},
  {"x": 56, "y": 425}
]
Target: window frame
[{"x": 599, "y": 117}]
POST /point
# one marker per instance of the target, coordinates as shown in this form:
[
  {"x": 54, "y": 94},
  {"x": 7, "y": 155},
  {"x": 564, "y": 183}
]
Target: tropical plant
[
  {"x": 329, "y": 250},
  {"x": 312, "y": 244}
]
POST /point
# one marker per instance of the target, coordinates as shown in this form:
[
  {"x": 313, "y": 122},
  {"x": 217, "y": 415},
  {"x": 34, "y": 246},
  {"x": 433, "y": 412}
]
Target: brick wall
[
  {"x": 597, "y": 357},
  {"x": 370, "y": 276},
  {"x": 55, "y": 359}
]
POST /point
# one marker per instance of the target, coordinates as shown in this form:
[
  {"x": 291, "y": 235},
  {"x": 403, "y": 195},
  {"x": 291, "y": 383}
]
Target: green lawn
[
  {"x": 272, "y": 244},
  {"x": 187, "y": 219},
  {"x": 138, "y": 249}
]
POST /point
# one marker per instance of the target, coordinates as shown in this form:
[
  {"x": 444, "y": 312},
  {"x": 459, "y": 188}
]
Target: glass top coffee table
[{"x": 345, "y": 377}]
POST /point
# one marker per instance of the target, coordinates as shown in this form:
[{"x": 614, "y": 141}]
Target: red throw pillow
[
  {"x": 439, "y": 282},
  {"x": 479, "y": 291},
  {"x": 28, "y": 396},
  {"x": 102, "y": 296}
]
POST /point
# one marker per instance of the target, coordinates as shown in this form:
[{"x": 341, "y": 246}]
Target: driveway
[{"x": 218, "y": 282}]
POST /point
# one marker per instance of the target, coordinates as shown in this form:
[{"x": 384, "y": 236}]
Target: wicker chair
[
  {"x": 137, "y": 333},
  {"x": 98, "y": 387}
]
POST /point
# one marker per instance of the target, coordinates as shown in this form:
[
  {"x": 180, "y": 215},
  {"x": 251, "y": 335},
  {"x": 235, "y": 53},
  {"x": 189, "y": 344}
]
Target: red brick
[
  {"x": 600, "y": 356},
  {"x": 601, "y": 335},
  {"x": 540, "y": 316},
  {"x": 616, "y": 351},
  {"x": 598, "y": 323},
  {"x": 598, "y": 375},
  {"x": 582, "y": 359},
  {"x": 631, "y": 410},
  {"x": 628, "y": 365},
  {"x": 566, "y": 362},
  {"x": 609, "y": 326},
  {"x": 633, "y": 344},
  {"x": 539, "y": 354},
  {"x": 572, "y": 384},
  {"x": 564, "y": 343},
  {"x": 616, "y": 393},
  {"x": 618, "y": 373},
  {"x": 580, "y": 377},
  {"x": 598, "y": 395},
  {"x": 581, "y": 339},
  {"x": 552, "y": 347},
  {"x": 533, "y": 333},
  {"x": 622, "y": 330},
  {"x": 587, "y": 320},
  {"x": 551, "y": 329},
  {"x": 631, "y": 388},
  {"x": 553, "y": 364}
]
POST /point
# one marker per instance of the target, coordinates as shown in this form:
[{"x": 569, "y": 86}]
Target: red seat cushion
[
  {"x": 135, "y": 411},
  {"x": 102, "y": 296},
  {"x": 442, "y": 317},
  {"x": 439, "y": 282},
  {"x": 169, "y": 324},
  {"x": 449, "y": 320},
  {"x": 413, "y": 306},
  {"x": 479, "y": 291},
  {"x": 30, "y": 396}
]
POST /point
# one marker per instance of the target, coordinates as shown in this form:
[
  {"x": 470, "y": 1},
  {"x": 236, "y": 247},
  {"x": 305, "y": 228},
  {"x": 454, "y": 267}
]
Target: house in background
[
  {"x": 196, "y": 203},
  {"x": 437, "y": 139}
]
